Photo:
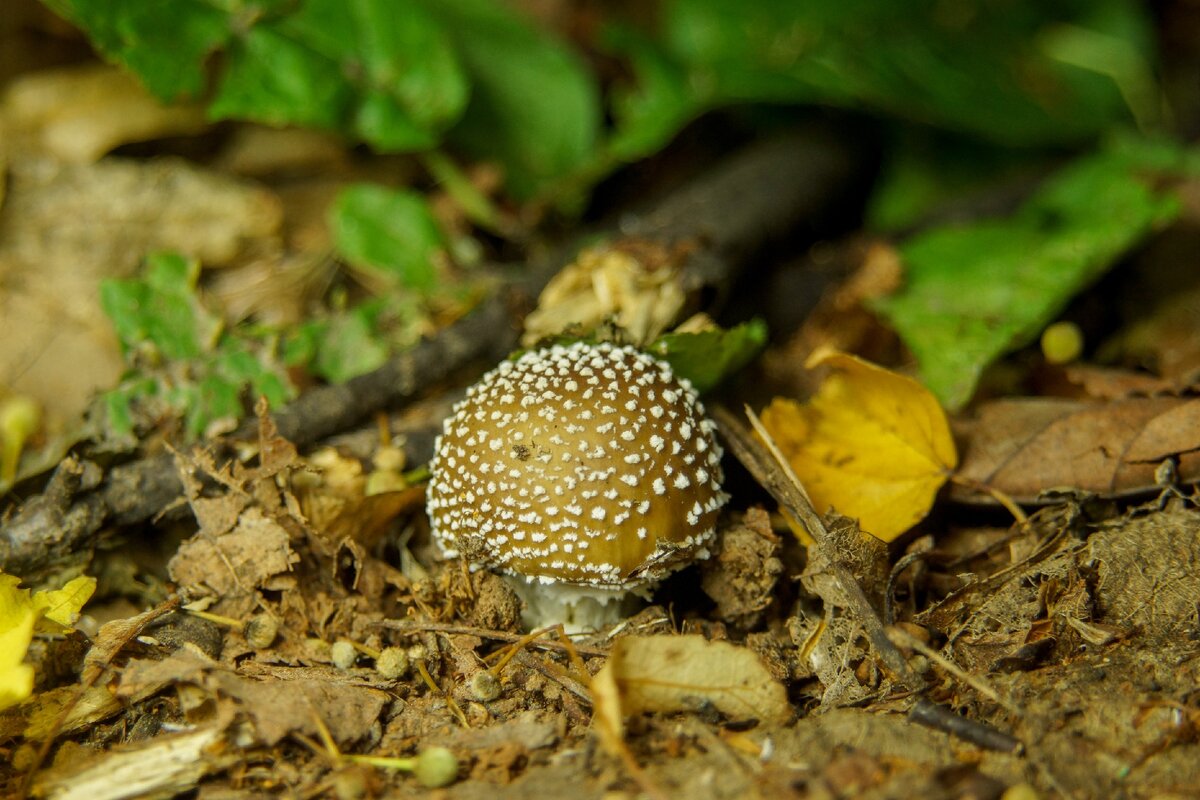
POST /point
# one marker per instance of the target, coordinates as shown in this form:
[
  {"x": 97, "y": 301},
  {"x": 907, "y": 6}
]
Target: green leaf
[
  {"x": 184, "y": 363},
  {"x": 974, "y": 292},
  {"x": 165, "y": 44},
  {"x": 161, "y": 309},
  {"x": 350, "y": 346},
  {"x": 998, "y": 73},
  {"x": 655, "y": 108},
  {"x": 380, "y": 70},
  {"x": 390, "y": 233},
  {"x": 926, "y": 172},
  {"x": 708, "y": 357},
  {"x": 534, "y": 105}
]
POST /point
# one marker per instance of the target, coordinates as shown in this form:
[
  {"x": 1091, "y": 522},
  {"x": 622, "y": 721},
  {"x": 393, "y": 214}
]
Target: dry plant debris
[{"x": 305, "y": 639}]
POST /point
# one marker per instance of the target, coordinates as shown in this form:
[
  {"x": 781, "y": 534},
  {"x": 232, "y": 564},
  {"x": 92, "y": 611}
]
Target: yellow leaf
[
  {"x": 63, "y": 605},
  {"x": 19, "y": 615},
  {"x": 870, "y": 444},
  {"x": 16, "y": 632}
]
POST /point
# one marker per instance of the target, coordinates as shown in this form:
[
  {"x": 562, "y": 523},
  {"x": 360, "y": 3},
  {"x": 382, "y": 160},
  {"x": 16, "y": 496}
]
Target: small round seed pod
[
  {"x": 589, "y": 466},
  {"x": 342, "y": 654},
  {"x": 418, "y": 652},
  {"x": 392, "y": 663},
  {"x": 485, "y": 686},
  {"x": 436, "y": 767},
  {"x": 260, "y": 631}
]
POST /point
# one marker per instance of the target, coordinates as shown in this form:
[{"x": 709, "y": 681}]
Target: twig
[
  {"x": 561, "y": 678},
  {"x": 938, "y": 717}
]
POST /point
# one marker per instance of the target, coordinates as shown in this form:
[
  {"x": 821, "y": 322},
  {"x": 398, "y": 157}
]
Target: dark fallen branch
[
  {"x": 940, "y": 718},
  {"x": 727, "y": 216}
]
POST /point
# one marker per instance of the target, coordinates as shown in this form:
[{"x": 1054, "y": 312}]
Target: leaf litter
[{"x": 1072, "y": 629}]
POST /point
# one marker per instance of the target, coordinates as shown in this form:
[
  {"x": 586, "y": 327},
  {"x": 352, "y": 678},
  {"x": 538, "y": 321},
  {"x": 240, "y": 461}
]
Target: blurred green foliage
[
  {"x": 389, "y": 234},
  {"x": 405, "y": 75},
  {"x": 975, "y": 291},
  {"x": 964, "y": 91},
  {"x": 182, "y": 361}
]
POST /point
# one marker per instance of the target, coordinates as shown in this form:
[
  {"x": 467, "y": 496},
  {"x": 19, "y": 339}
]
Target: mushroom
[{"x": 586, "y": 471}]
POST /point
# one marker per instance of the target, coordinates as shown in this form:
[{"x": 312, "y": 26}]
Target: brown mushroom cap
[{"x": 589, "y": 464}]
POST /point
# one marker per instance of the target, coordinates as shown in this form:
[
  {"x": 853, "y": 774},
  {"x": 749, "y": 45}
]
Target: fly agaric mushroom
[{"x": 587, "y": 471}]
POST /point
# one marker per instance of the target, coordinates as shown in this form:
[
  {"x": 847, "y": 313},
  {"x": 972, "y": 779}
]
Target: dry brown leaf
[
  {"x": 78, "y": 114},
  {"x": 42, "y": 715},
  {"x": 685, "y": 673},
  {"x": 1146, "y": 576},
  {"x": 1093, "y": 382},
  {"x": 276, "y": 708},
  {"x": 65, "y": 228},
  {"x": 1025, "y": 446},
  {"x": 238, "y": 561}
]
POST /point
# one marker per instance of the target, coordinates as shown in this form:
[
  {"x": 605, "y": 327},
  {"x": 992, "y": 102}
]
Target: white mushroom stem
[{"x": 579, "y": 609}]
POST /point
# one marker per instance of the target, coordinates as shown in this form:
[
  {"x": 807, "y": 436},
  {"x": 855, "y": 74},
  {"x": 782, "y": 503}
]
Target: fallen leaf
[
  {"x": 237, "y": 562},
  {"x": 275, "y": 708},
  {"x": 871, "y": 444},
  {"x": 165, "y": 766},
  {"x": 20, "y": 614},
  {"x": 16, "y": 632},
  {"x": 1145, "y": 573},
  {"x": 63, "y": 605},
  {"x": 1025, "y": 446},
  {"x": 685, "y": 673},
  {"x": 84, "y": 706},
  {"x": 1090, "y": 381},
  {"x": 63, "y": 228},
  {"x": 78, "y": 114}
]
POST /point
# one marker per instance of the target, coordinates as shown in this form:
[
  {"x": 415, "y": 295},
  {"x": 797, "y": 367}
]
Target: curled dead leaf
[{"x": 683, "y": 673}]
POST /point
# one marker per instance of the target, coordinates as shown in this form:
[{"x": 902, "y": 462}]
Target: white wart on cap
[{"x": 590, "y": 465}]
